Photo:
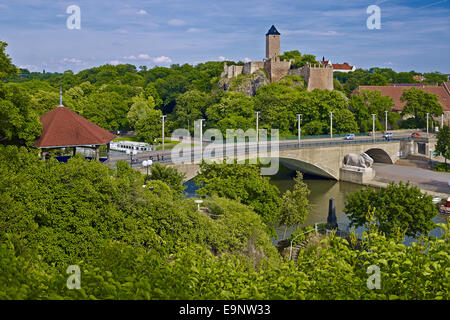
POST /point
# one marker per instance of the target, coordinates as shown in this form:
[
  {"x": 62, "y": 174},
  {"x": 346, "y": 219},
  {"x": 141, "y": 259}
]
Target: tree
[
  {"x": 397, "y": 207},
  {"x": 169, "y": 175},
  {"x": 19, "y": 124},
  {"x": 7, "y": 69},
  {"x": 148, "y": 127},
  {"x": 295, "y": 204},
  {"x": 419, "y": 103},
  {"x": 140, "y": 108},
  {"x": 443, "y": 143},
  {"x": 241, "y": 182},
  {"x": 344, "y": 121}
]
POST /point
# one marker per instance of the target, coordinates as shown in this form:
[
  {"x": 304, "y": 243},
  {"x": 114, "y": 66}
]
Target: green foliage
[
  {"x": 419, "y": 103},
  {"x": 171, "y": 176},
  {"x": 295, "y": 204},
  {"x": 7, "y": 69},
  {"x": 397, "y": 207},
  {"x": 19, "y": 124},
  {"x": 243, "y": 183},
  {"x": 149, "y": 126},
  {"x": 443, "y": 143},
  {"x": 299, "y": 59}
]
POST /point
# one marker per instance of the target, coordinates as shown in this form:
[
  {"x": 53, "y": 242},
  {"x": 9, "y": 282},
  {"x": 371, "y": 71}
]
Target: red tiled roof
[
  {"x": 395, "y": 92},
  {"x": 62, "y": 127},
  {"x": 342, "y": 66}
]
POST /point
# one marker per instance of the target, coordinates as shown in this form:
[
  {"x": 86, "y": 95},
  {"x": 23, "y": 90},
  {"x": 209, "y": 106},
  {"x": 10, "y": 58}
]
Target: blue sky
[{"x": 414, "y": 35}]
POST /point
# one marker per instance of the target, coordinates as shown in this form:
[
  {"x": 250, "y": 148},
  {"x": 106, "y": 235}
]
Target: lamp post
[
  {"x": 331, "y": 124},
  {"x": 442, "y": 121},
  {"x": 147, "y": 164},
  {"x": 373, "y": 126},
  {"x": 428, "y": 115},
  {"x": 386, "y": 115},
  {"x": 131, "y": 153},
  {"x": 299, "y": 129},
  {"x": 163, "y": 120},
  {"x": 257, "y": 128},
  {"x": 201, "y": 134}
]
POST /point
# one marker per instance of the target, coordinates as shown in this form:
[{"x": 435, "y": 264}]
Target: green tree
[
  {"x": 295, "y": 204},
  {"x": 140, "y": 108},
  {"x": 443, "y": 143},
  {"x": 419, "y": 103},
  {"x": 397, "y": 207},
  {"x": 149, "y": 127},
  {"x": 170, "y": 176},
  {"x": 241, "y": 182},
  {"x": 7, "y": 69}
]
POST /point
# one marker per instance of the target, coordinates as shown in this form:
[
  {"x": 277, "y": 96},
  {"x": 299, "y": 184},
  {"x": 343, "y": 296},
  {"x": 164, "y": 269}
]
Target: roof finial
[{"x": 60, "y": 96}]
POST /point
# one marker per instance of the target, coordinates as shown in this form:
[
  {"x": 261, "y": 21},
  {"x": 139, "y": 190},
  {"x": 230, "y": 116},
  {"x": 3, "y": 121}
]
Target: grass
[{"x": 442, "y": 167}]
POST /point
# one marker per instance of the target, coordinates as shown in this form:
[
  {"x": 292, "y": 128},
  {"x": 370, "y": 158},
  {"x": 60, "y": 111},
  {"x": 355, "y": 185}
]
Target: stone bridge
[{"x": 322, "y": 159}]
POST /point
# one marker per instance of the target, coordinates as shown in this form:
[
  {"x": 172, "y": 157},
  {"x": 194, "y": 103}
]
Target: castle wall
[
  {"x": 316, "y": 77},
  {"x": 231, "y": 71},
  {"x": 277, "y": 69},
  {"x": 253, "y": 66}
]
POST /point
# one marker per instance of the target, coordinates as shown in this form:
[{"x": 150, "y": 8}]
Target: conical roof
[
  {"x": 61, "y": 127},
  {"x": 272, "y": 31}
]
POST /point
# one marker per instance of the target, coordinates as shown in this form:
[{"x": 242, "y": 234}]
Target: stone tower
[{"x": 272, "y": 43}]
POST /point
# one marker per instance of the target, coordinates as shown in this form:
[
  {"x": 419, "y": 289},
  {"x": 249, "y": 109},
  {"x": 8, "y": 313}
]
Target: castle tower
[{"x": 272, "y": 43}]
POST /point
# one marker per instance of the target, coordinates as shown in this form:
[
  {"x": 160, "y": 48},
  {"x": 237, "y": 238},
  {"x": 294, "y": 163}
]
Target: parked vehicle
[
  {"x": 349, "y": 136},
  {"x": 387, "y": 135},
  {"x": 415, "y": 134}
]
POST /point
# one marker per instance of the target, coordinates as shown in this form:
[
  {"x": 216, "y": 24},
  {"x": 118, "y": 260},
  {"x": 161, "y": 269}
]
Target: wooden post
[
  {"x": 97, "y": 153},
  {"x": 108, "y": 149},
  {"x": 74, "y": 151}
]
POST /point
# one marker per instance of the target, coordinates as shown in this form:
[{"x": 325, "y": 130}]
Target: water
[{"x": 321, "y": 190}]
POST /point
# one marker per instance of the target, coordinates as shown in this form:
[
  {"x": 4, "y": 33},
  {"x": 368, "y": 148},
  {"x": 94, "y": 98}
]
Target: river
[{"x": 321, "y": 190}]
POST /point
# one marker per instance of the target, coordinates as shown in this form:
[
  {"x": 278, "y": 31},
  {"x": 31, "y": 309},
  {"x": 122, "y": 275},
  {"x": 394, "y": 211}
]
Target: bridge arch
[
  {"x": 380, "y": 155},
  {"x": 307, "y": 167}
]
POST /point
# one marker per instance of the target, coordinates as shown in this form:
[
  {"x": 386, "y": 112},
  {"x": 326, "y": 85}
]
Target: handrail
[{"x": 290, "y": 250}]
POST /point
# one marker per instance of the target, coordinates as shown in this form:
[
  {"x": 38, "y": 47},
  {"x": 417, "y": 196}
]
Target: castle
[{"x": 316, "y": 76}]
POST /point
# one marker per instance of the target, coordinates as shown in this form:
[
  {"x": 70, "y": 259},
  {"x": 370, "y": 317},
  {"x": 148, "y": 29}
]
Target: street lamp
[
  {"x": 386, "y": 114},
  {"x": 163, "y": 120},
  {"x": 198, "y": 202},
  {"x": 427, "y": 122},
  {"x": 131, "y": 153},
  {"x": 147, "y": 164},
  {"x": 331, "y": 124},
  {"x": 373, "y": 125},
  {"x": 299, "y": 120},
  {"x": 257, "y": 131},
  {"x": 201, "y": 134}
]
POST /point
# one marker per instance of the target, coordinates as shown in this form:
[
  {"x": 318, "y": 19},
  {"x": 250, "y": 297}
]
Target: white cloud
[
  {"x": 71, "y": 60},
  {"x": 142, "y": 12},
  {"x": 129, "y": 57},
  {"x": 222, "y": 58},
  {"x": 115, "y": 62},
  {"x": 144, "y": 56},
  {"x": 162, "y": 59},
  {"x": 247, "y": 59},
  {"x": 30, "y": 67},
  {"x": 176, "y": 22},
  {"x": 195, "y": 30}
]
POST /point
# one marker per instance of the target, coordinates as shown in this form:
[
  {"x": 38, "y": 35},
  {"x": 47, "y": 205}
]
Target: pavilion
[{"x": 63, "y": 128}]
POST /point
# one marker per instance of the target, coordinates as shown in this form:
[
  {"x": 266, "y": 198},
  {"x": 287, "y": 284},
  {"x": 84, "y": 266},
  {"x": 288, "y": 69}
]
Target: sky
[{"x": 413, "y": 35}]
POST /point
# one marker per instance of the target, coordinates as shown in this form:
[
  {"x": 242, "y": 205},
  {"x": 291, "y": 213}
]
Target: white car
[
  {"x": 387, "y": 135},
  {"x": 350, "y": 136}
]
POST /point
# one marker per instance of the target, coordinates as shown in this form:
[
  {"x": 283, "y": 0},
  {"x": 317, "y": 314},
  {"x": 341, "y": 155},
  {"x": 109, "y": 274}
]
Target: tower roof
[
  {"x": 62, "y": 127},
  {"x": 272, "y": 31}
]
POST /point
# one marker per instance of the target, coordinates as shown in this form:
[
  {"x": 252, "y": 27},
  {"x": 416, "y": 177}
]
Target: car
[
  {"x": 387, "y": 135},
  {"x": 349, "y": 136},
  {"x": 415, "y": 134}
]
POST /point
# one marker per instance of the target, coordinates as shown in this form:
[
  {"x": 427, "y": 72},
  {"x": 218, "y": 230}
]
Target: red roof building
[
  {"x": 61, "y": 127},
  {"x": 338, "y": 67}
]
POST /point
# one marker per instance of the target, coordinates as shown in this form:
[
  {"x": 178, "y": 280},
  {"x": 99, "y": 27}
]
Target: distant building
[
  {"x": 338, "y": 67},
  {"x": 395, "y": 91},
  {"x": 419, "y": 78},
  {"x": 316, "y": 76}
]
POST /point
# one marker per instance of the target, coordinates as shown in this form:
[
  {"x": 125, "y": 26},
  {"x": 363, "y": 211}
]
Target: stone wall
[
  {"x": 231, "y": 71},
  {"x": 316, "y": 77},
  {"x": 277, "y": 69},
  {"x": 253, "y": 66}
]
